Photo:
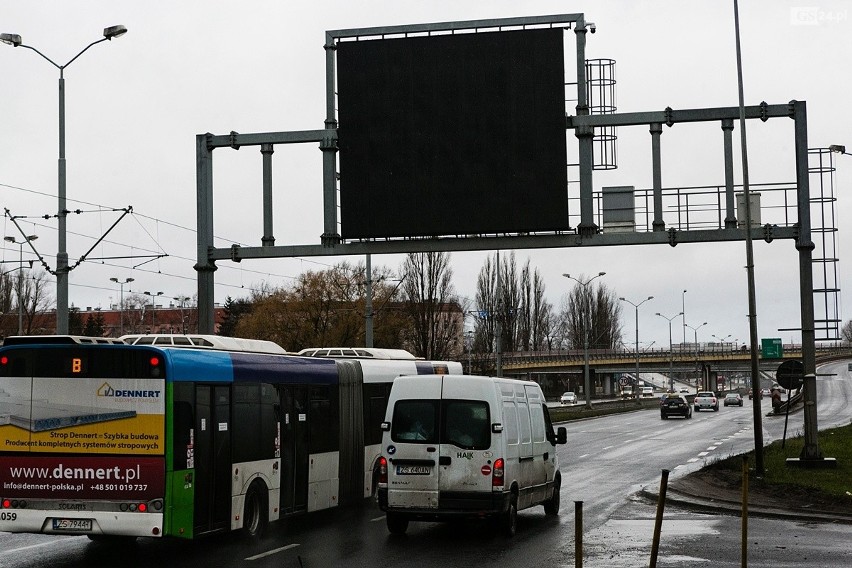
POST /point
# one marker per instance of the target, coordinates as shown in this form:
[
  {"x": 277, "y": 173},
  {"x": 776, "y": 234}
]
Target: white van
[{"x": 461, "y": 446}]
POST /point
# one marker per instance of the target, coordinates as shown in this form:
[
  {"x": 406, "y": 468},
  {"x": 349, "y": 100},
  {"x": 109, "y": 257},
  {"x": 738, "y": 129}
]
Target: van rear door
[
  {"x": 412, "y": 449},
  {"x": 466, "y": 453}
]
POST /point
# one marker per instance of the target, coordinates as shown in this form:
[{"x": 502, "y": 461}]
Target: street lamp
[
  {"x": 636, "y": 306},
  {"x": 61, "y": 254},
  {"x": 695, "y": 340},
  {"x": 721, "y": 340},
  {"x": 586, "y": 324},
  {"x": 121, "y": 300},
  {"x": 837, "y": 148},
  {"x": 12, "y": 240},
  {"x": 671, "y": 354},
  {"x": 153, "y": 309}
]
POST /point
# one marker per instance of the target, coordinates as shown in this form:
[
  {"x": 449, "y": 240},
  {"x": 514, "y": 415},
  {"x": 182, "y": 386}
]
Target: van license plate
[
  {"x": 413, "y": 470},
  {"x": 72, "y": 524}
]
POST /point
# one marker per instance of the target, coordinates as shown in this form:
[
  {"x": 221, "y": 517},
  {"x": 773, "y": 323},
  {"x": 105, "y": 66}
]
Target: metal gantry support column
[
  {"x": 656, "y": 161},
  {"x": 730, "y": 201},
  {"x": 268, "y": 238},
  {"x": 585, "y": 137},
  {"x": 204, "y": 266},
  {"x": 328, "y": 146},
  {"x": 805, "y": 246}
]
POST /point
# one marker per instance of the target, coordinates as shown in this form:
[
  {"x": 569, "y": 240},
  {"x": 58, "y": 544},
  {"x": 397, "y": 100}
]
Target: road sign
[
  {"x": 624, "y": 381},
  {"x": 771, "y": 348},
  {"x": 791, "y": 374}
]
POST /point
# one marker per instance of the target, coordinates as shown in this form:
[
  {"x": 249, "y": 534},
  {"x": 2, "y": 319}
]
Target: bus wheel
[
  {"x": 397, "y": 524},
  {"x": 255, "y": 511}
]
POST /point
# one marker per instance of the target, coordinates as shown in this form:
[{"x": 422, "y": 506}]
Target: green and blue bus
[{"x": 184, "y": 436}]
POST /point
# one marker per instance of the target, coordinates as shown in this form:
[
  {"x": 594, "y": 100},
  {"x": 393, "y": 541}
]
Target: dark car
[
  {"x": 733, "y": 399},
  {"x": 675, "y": 404}
]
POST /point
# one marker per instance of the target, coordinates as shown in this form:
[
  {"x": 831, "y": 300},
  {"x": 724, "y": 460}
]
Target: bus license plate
[
  {"x": 412, "y": 470},
  {"x": 72, "y": 524}
]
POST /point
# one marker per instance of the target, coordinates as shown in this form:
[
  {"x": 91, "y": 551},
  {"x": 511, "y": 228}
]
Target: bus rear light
[
  {"x": 143, "y": 507},
  {"x": 7, "y": 504},
  {"x": 383, "y": 469},
  {"x": 497, "y": 473}
]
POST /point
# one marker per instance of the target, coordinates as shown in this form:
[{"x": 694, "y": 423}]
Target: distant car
[
  {"x": 733, "y": 399},
  {"x": 684, "y": 390},
  {"x": 675, "y": 404},
  {"x": 766, "y": 392},
  {"x": 706, "y": 399},
  {"x": 568, "y": 398}
]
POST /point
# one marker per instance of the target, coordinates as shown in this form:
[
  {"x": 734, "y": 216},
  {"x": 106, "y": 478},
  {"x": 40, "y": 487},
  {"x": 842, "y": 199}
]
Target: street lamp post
[
  {"x": 153, "y": 309},
  {"x": 62, "y": 255},
  {"x": 121, "y": 283},
  {"x": 21, "y": 243},
  {"x": 469, "y": 338},
  {"x": 683, "y": 314},
  {"x": 586, "y": 324},
  {"x": 671, "y": 353},
  {"x": 636, "y": 306},
  {"x": 695, "y": 340}
]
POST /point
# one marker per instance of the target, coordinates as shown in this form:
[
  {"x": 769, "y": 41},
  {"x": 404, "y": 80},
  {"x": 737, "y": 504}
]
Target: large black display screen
[{"x": 452, "y": 134}]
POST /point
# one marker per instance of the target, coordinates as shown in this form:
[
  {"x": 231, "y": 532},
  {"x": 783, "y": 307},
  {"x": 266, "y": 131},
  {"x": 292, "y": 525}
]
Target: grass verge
[{"x": 835, "y": 482}]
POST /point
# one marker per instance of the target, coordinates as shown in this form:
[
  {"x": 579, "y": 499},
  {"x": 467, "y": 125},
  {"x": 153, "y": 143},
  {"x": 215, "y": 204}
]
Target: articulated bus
[{"x": 184, "y": 436}]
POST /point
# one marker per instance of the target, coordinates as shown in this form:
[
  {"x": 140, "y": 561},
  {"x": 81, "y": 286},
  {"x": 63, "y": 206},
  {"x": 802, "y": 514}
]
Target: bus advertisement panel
[
  {"x": 82, "y": 416},
  {"x": 82, "y": 478}
]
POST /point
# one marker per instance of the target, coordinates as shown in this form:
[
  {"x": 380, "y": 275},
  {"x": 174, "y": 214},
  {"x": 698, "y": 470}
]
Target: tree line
[
  {"x": 415, "y": 307},
  {"x": 418, "y": 308}
]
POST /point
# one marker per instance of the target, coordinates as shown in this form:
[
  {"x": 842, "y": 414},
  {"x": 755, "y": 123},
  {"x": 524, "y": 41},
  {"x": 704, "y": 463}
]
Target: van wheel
[
  {"x": 397, "y": 524},
  {"x": 509, "y": 519},
  {"x": 255, "y": 511},
  {"x": 551, "y": 506}
]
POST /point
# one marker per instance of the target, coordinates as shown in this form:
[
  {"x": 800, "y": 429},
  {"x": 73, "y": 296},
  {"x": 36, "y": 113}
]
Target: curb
[{"x": 721, "y": 506}]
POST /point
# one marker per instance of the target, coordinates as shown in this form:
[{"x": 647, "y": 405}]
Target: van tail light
[
  {"x": 497, "y": 473},
  {"x": 383, "y": 470}
]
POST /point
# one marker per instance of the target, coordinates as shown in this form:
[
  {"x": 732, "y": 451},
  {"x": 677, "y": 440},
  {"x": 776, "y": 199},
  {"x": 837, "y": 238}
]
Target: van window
[
  {"x": 415, "y": 421},
  {"x": 510, "y": 423},
  {"x": 466, "y": 424}
]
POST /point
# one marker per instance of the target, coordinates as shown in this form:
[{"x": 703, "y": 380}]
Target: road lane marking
[
  {"x": 382, "y": 518},
  {"x": 583, "y": 456},
  {"x": 271, "y": 552},
  {"x": 702, "y": 454},
  {"x": 30, "y": 547}
]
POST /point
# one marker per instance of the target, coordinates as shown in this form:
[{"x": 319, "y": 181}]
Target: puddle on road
[{"x": 626, "y": 543}]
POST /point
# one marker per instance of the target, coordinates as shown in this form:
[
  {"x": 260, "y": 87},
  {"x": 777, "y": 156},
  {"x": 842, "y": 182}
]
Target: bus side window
[{"x": 184, "y": 420}]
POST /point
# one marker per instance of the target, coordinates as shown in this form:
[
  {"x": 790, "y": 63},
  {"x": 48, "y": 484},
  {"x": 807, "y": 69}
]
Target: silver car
[{"x": 568, "y": 398}]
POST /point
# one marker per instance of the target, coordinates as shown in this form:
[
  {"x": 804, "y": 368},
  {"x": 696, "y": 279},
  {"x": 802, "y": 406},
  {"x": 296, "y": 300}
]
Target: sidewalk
[{"x": 697, "y": 493}]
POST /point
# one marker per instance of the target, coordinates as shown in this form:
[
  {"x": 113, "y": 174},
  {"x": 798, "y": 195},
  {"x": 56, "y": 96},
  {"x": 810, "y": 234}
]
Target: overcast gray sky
[{"x": 135, "y": 105}]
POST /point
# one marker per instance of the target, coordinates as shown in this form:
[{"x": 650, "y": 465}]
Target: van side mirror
[
  {"x": 561, "y": 435},
  {"x": 496, "y": 428},
  {"x": 385, "y": 426}
]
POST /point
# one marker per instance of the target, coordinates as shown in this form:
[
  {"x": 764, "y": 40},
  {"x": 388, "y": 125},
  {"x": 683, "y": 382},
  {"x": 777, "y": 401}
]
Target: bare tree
[
  {"x": 593, "y": 305},
  {"x": 846, "y": 332},
  {"x": 518, "y": 308},
  {"x": 36, "y": 298},
  {"x": 435, "y": 312}
]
